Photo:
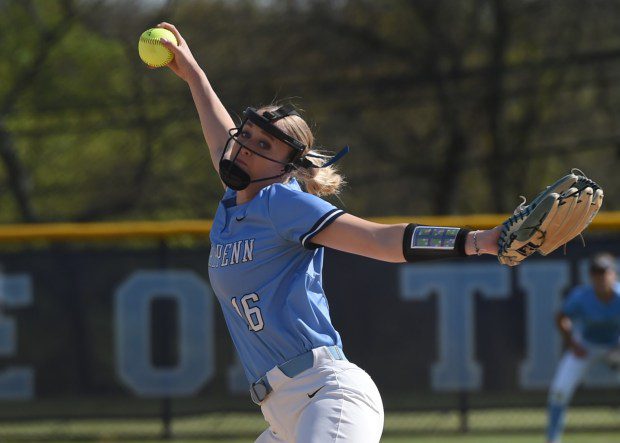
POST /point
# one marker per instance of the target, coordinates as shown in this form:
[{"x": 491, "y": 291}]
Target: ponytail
[{"x": 319, "y": 181}]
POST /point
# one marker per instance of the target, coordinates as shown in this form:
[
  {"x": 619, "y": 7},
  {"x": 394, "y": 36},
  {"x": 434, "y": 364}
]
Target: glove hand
[
  {"x": 553, "y": 218},
  {"x": 612, "y": 358}
]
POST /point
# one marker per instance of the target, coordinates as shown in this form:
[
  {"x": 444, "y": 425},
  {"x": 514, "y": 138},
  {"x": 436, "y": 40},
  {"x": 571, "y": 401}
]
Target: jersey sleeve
[
  {"x": 298, "y": 216},
  {"x": 572, "y": 305}
]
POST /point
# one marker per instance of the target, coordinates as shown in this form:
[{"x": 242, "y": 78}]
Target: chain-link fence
[{"x": 95, "y": 340}]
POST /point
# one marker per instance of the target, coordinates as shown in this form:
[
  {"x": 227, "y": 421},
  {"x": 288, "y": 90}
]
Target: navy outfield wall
[{"x": 144, "y": 323}]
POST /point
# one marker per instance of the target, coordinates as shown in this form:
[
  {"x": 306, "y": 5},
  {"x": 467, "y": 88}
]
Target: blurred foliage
[{"x": 449, "y": 107}]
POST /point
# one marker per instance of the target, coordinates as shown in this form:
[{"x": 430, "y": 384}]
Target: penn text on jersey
[{"x": 241, "y": 251}]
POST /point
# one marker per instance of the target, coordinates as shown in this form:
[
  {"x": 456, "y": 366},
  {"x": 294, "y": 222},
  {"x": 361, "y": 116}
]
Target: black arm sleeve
[{"x": 433, "y": 242}]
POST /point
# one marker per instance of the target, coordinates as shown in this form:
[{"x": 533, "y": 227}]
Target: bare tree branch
[{"x": 17, "y": 174}]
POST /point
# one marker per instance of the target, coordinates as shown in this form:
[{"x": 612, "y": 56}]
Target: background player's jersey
[
  {"x": 596, "y": 321},
  {"x": 266, "y": 274}
]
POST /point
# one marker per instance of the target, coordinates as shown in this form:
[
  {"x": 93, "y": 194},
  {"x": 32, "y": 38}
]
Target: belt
[{"x": 260, "y": 389}]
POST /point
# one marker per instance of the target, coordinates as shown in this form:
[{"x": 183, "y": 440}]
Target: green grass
[
  {"x": 495, "y": 438},
  {"x": 486, "y": 426},
  {"x": 503, "y": 438}
]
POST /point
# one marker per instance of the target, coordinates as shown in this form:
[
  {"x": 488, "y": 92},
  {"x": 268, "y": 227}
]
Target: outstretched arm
[
  {"x": 385, "y": 242},
  {"x": 214, "y": 118}
]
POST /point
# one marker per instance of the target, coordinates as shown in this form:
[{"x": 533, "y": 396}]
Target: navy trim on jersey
[
  {"x": 230, "y": 202},
  {"x": 321, "y": 224}
]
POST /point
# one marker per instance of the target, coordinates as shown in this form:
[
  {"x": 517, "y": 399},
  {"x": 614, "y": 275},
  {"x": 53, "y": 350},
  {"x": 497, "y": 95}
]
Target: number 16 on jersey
[{"x": 249, "y": 312}]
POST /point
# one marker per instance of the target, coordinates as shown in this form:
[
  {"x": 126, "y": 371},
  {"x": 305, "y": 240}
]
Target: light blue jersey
[
  {"x": 596, "y": 321},
  {"x": 266, "y": 274}
]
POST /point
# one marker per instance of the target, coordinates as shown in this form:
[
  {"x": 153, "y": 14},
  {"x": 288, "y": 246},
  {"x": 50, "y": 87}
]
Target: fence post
[
  {"x": 167, "y": 351},
  {"x": 463, "y": 412}
]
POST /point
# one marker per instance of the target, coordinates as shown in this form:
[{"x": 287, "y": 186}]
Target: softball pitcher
[
  {"x": 266, "y": 265},
  {"x": 590, "y": 325}
]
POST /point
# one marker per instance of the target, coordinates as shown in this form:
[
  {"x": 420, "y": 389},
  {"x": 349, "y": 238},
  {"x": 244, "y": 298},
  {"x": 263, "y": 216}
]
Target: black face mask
[
  {"x": 231, "y": 173},
  {"x": 237, "y": 179}
]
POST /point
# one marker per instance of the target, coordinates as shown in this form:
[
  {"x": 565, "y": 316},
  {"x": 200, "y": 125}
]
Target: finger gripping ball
[{"x": 152, "y": 51}]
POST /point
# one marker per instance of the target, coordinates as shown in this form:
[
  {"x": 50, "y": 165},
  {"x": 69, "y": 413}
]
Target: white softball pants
[
  {"x": 346, "y": 405},
  {"x": 570, "y": 372}
]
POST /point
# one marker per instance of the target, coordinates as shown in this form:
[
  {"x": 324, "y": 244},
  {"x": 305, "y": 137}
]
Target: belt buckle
[{"x": 258, "y": 391}]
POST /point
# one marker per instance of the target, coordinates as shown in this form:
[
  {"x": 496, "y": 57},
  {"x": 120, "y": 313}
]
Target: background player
[
  {"x": 266, "y": 262},
  {"x": 589, "y": 323}
]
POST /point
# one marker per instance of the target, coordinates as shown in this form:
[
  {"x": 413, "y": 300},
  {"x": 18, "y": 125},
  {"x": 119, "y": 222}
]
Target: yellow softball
[{"x": 151, "y": 50}]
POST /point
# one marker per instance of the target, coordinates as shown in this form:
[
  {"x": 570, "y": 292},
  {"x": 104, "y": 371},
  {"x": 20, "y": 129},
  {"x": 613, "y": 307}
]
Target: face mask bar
[
  {"x": 237, "y": 179},
  {"x": 231, "y": 174}
]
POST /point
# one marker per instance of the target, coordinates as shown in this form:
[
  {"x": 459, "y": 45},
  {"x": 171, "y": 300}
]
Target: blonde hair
[{"x": 317, "y": 181}]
